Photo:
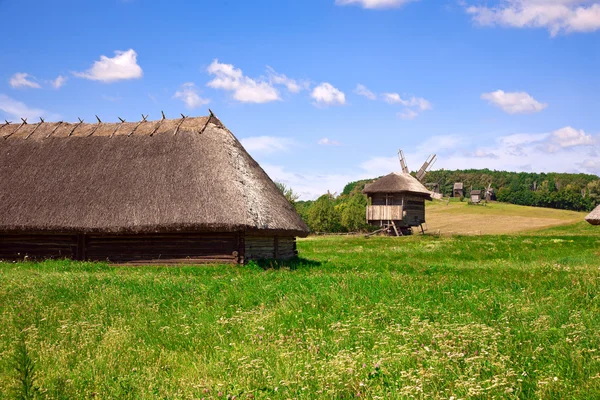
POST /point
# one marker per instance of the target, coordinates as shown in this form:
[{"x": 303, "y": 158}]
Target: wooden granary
[
  {"x": 397, "y": 201},
  {"x": 149, "y": 192}
]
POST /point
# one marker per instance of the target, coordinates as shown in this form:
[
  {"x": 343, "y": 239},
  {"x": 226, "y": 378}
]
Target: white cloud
[
  {"x": 59, "y": 82},
  {"x": 554, "y": 15},
  {"x": 310, "y": 185},
  {"x": 21, "y": 80},
  {"x": 570, "y": 137},
  {"x": 326, "y": 94},
  {"x": 189, "y": 94},
  {"x": 416, "y": 102},
  {"x": 414, "y": 105},
  {"x": 121, "y": 67},
  {"x": 267, "y": 144},
  {"x": 328, "y": 142},
  {"x": 291, "y": 84},
  {"x": 362, "y": 90},
  {"x": 408, "y": 114},
  {"x": 514, "y": 102},
  {"x": 519, "y": 139},
  {"x": 245, "y": 89},
  {"x": 17, "y": 109},
  {"x": 374, "y": 4}
]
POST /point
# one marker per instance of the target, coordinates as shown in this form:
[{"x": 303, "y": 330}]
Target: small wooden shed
[
  {"x": 594, "y": 217},
  {"x": 150, "y": 192},
  {"x": 458, "y": 190},
  {"x": 475, "y": 196},
  {"x": 396, "y": 201}
]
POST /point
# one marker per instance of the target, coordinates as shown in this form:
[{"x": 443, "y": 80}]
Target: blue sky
[{"x": 322, "y": 92}]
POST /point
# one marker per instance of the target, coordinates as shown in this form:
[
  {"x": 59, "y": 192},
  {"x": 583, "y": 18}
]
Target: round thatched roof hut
[
  {"x": 181, "y": 190},
  {"x": 594, "y": 217}
]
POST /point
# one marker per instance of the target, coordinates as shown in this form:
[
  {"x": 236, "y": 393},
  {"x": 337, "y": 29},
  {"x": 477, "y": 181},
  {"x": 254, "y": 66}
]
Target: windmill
[
  {"x": 489, "y": 192},
  {"x": 425, "y": 168}
]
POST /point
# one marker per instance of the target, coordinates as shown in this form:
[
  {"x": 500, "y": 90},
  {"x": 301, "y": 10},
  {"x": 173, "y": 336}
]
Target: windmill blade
[
  {"x": 426, "y": 167},
  {"x": 402, "y": 161}
]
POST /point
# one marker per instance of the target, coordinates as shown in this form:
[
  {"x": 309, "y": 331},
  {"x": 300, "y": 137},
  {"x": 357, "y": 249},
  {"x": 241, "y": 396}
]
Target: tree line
[{"x": 345, "y": 212}]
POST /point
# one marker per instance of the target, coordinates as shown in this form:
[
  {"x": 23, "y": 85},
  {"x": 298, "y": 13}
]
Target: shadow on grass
[{"x": 291, "y": 264}]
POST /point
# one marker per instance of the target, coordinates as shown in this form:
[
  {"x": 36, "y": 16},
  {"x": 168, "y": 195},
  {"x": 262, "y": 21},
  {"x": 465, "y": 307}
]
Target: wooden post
[{"x": 276, "y": 247}]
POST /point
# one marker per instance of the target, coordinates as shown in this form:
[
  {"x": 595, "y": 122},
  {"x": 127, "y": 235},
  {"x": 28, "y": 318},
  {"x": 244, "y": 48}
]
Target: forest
[{"x": 345, "y": 212}]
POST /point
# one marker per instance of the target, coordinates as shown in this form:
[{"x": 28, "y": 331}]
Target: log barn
[
  {"x": 397, "y": 202},
  {"x": 170, "y": 191}
]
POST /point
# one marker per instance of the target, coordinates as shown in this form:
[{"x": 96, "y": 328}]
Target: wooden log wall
[
  {"x": 149, "y": 249},
  {"x": 164, "y": 249},
  {"x": 37, "y": 246},
  {"x": 270, "y": 247}
]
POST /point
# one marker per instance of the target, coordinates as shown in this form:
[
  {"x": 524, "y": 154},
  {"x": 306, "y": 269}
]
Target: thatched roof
[
  {"x": 189, "y": 174},
  {"x": 594, "y": 217},
  {"x": 397, "y": 183},
  {"x": 458, "y": 186},
  {"x": 476, "y": 192}
]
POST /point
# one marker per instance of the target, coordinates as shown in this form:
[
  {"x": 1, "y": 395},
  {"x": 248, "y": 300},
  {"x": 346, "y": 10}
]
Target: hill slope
[{"x": 456, "y": 217}]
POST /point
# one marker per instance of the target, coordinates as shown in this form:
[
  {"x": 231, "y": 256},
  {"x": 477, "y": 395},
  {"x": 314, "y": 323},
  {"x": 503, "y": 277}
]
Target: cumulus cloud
[
  {"x": 514, "y": 102},
  {"x": 292, "y": 85},
  {"x": 555, "y": 15},
  {"x": 327, "y": 94},
  {"x": 59, "y": 82},
  {"x": 16, "y": 109},
  {"x": 23, "y": 80},
  {"x": 245, "y": 89},
  {"x": 570, "y": 137},
  {"x": 362, "y": 90},
  {"x": 122, "y": 66},
  {"x": 328, "y": 142},
  {"x": 189, "y": 94},
  {"x": 267, "y": 144},
  {"x": 374, "y": 4}
]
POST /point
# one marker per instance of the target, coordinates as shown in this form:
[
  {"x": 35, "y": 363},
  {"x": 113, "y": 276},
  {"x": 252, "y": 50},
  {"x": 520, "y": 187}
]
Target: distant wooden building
[
  {"x": 594, "y": 217},
  {"x": 160, "y": 192},
  {"x": 458, "y": 190},
  {"x": 475, "y": 196},
  {"x": 396, "y": 201}
]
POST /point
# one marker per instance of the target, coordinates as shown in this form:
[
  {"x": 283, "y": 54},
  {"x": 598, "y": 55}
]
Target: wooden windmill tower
[{"x": 397, "y": 200}]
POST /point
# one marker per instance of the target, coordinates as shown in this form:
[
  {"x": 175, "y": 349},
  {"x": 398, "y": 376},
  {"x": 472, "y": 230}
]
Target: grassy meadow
[{"x": 441, "y": 317}]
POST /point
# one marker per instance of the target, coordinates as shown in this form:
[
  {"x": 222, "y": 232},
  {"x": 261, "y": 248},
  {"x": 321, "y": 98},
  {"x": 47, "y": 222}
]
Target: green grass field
[{"x": 507, "y": 316}]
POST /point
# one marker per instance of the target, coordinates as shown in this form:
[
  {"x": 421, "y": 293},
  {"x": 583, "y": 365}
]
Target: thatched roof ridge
[
  {"x": 187, "y": 174},
  {"x": 397, "y": 183},
  {"x": 594, "y": 217}
]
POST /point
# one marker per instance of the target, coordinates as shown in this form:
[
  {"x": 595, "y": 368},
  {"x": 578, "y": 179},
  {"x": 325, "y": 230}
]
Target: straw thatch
[
  {"x": 142, "y": 177},
  {"x": 458, "y": 186},
  {"x": 594, "y": 217},
  {"x": 397, "y": 183}
]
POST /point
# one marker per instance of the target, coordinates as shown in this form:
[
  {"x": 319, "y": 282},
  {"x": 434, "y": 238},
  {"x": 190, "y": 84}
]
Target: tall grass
[{"x": 425, "y": 317}]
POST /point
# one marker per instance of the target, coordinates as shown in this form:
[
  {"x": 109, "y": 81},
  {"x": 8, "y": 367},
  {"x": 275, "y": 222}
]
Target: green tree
[
  {"x": 353, "y": 213},
  {"x": 322, "y": 215},
  {"x": 287, "y": 191}
]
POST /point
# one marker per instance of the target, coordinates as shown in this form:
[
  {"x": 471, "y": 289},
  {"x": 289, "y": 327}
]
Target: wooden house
[
  {"x": 148, "y": 192},
  {"x": 458, "y": 190},
  {"x": 397, "y": 202},
  {"x": 594, "y": 217},
  {"x": 475, "y": 196}
]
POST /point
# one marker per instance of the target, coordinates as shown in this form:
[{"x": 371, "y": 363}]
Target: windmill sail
[
  {"x": 402, "y": 161},
  {"x": 426, "y": 167}
]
